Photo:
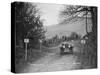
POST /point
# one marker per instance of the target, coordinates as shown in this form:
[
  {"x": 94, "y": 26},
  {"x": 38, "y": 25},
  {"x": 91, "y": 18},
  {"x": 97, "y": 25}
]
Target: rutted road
[{"x": 54, "y": 62}]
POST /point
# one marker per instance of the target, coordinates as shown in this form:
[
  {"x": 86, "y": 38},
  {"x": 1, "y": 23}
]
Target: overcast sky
[{"x": 50, "y": 12}]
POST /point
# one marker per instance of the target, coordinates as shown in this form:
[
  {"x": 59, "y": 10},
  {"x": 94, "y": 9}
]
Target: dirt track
[{"x": 54, "y": 62}]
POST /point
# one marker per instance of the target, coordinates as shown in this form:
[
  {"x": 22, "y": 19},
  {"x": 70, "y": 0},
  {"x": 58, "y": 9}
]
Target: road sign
[
  {"x": 40, "y": 44},
  {"x": 26, "y": 40},
  {"x": 40, "y": 40}
]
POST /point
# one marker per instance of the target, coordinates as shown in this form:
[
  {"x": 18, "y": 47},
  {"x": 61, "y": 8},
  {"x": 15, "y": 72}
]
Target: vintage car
[{"x": 66, "y": 48}]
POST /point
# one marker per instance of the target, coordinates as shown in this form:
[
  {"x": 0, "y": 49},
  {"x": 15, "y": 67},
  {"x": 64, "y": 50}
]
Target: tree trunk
[
  {"x": 94, "y": 34},
  {"x": 94, "y": 19},
  {"x": 86, "y": 23}
]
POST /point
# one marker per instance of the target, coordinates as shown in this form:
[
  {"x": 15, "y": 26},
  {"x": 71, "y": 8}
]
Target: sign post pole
[
  {"x": 25, "y": 51},
  {"x": 40, "y": 45},
  {"x": 26, "y": 42}
]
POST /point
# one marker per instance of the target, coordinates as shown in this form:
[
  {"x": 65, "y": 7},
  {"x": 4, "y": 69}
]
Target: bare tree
[
  {"x": 71, "y": 12},
  {"x": 28, "y": 22}
]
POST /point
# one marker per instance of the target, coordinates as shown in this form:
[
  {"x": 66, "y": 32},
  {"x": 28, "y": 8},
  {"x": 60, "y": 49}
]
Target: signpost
[
  {"x": 40, "y": 44},
  {"x": 26, "y": 41}
]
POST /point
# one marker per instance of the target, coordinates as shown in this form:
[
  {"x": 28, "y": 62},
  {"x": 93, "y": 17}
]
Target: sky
[{"x": 50, "y": 13}]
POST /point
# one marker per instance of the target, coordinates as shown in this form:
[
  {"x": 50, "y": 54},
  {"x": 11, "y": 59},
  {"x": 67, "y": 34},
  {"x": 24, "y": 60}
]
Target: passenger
[
  {"x": 70, "y": 48},
  {"x": 62, "y": 48}
]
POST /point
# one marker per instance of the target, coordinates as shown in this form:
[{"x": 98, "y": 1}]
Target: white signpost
[
  {"x": 40, "y": 44},
  {"x": 26, "y": 41}
]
